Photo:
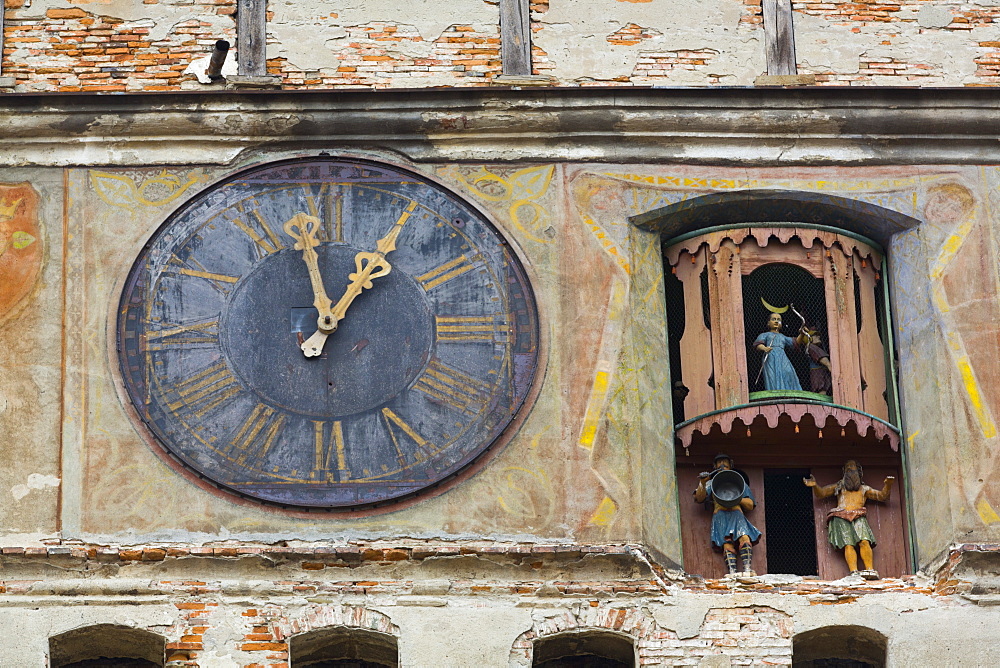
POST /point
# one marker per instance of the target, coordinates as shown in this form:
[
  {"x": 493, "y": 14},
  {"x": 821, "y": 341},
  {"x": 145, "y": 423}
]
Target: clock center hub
[{"x": 377, "y": 350}]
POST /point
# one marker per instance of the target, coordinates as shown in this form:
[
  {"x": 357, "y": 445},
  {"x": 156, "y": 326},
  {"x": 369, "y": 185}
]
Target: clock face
[{"x": 428, "y": 348}]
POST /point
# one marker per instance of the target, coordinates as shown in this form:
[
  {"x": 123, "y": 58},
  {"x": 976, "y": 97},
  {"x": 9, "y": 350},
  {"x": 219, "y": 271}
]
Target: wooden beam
[
  {"x": 251, "y": 37},
  {"x": 515, "y": 37},
  {"x": 779, "y": 37}
]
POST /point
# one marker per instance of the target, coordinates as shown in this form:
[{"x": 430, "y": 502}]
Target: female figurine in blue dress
[{"x": 779, "y": 374}]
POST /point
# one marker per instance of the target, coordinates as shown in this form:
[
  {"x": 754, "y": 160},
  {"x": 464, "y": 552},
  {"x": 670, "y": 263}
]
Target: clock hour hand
[
  {"x": 302, "y": 228},
  {"x": 368, "y": 266}
]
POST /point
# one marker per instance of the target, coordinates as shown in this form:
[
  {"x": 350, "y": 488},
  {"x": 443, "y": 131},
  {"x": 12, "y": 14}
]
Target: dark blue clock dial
[{"x": 429, "y": 365}]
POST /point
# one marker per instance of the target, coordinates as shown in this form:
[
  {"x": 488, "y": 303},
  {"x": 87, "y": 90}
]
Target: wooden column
[
  {"x": 251, "y": 38},
  {"x": 838, "y": 281},
  {"x": 779, "y": 37},
  {"x": 871, "y": 352},
  {"x": 515, "y": 37},
  {"x": 729, "y": 353},
  {"x": 696, "y": 343}
]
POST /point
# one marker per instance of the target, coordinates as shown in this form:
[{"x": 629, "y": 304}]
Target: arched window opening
[
  {"x": 106, "y": 646},
  {"x": 783, "y": 289},
  {"x": 839, "y": 647},
  {"x": 343, "y": 647},
  {"x": 775, "y": 333},
  {"x": 584, "y": 650}
]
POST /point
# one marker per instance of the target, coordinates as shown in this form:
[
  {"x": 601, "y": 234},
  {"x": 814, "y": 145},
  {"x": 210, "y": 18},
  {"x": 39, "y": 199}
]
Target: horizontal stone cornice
[{"x": 737, "y": 126}]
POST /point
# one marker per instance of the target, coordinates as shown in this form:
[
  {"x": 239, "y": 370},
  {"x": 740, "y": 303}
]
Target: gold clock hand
[
  {"x": 302, "y": 228},
  {"x": 368, "y": 266}
]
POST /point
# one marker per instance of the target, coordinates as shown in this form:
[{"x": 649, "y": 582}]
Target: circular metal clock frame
[{"x": 328, "y": 334}]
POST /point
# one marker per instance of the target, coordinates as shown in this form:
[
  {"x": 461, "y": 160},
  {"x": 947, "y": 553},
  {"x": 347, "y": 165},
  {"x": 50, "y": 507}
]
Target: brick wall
[
  {"x": 77, "y": 48},
  {"x": 374, "y": 55}
]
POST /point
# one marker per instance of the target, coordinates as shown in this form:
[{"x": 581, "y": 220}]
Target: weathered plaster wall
[
  {"x": 568, "y": 475},
  {"x": 240, "y": 607},
  {"x": 31, "y": 325},
  {"x": 593, "y": 461},
  {"x": 944, "y": 287},
  {"x": 115, "y": 45}
]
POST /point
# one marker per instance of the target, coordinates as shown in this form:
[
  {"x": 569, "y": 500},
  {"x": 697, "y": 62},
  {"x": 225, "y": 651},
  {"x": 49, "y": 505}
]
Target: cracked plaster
[
  {"x": 574, "y": 35},
  {"x": 160, "y": 18},
  {"x": 820, "y": 48},
  {"x": 308, "y": 36}
]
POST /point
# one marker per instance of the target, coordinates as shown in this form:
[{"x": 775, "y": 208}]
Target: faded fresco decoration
[
  {"x": 594, "y": 459},
  {"x": 21, "y": 247},
  {"x": 944, "y": 282},
  {"x": 135, "y": 189}
]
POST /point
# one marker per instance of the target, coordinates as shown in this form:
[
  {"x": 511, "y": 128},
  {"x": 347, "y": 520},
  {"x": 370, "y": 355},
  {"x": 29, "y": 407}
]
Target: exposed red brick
[{"x": 74, "y": 13}]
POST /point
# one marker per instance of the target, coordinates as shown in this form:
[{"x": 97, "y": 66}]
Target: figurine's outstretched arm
[
  {"x": 819, "y": 492},
  {"x": 882, "y": 495}
]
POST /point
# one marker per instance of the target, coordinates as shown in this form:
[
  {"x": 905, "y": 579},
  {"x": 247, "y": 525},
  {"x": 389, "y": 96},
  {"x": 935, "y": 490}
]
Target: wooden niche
[
  {"x": 717, "y": 362},
  {"x": 724, "y": 286}
]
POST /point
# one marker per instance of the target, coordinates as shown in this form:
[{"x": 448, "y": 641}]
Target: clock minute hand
[
  {"x": 302, "y": 228},
  {"x": 368, "y": 266}
]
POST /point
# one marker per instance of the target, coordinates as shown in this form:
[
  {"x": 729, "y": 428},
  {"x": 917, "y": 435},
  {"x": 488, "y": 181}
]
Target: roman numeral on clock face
[
  {"x": 330, "y": 204},
  {"x": 328, "y": 443},
  {"x": 445, "y": 272},
  {"x": 257, "y": 435},
  {"x": 424, "y": 447},
  {"x": 470, "y": 328},
  {"x": 206, "y": 390},
  {"x": 452, "y": 387},
  {"x": 196, "y": 334},
  {"x": 266, "y": 243},
  {"x": 221, "y": 282}
]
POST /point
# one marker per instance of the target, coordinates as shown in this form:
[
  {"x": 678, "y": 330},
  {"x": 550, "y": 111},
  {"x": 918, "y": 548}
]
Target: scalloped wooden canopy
[{"x": 822, "y": 416}]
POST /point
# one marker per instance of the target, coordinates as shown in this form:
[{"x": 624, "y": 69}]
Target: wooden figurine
[
  {"x": 848, "y": 527},
  {"x": 820, "y": 371},
  {"x": 730, "y": 497},
  {"x": 778, "y": 372}
]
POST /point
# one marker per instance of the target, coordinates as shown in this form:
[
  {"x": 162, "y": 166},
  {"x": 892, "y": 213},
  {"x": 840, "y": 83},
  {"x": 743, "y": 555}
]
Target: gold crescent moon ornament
[{"x": 773, "y": 309}]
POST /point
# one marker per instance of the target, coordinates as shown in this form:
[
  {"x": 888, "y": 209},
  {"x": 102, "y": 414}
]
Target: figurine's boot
[
  {"x": 746, "y": 554},
  {"x": 731, "y": 561}
]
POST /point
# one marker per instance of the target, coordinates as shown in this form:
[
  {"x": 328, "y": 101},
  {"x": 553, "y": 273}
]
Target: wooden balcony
[{"x": 718, "y": 363}]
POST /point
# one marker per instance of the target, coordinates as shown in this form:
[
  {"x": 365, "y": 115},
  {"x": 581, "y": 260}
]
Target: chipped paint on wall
[
  {"x": 21, "y": 247},
  {"x": 153, "y": 189},
  {"x": 519, "y": 190},
  {"x": 35, "y": 481}
]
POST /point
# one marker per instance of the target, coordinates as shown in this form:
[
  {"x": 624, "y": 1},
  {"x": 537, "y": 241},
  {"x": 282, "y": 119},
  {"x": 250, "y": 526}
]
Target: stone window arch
[
  {"x": 345, "y": 636},
  {"x": 584, "y": 649},
  {"x": 618, "y": 636},
  {"x": 105, "y": 645},
  {"x": 839, "y": 647},
  {"x": 343, "y": 647}
]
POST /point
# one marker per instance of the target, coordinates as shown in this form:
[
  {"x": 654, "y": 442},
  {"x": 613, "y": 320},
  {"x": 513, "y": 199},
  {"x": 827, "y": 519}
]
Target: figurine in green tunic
[{"x": 848, "y": 527}]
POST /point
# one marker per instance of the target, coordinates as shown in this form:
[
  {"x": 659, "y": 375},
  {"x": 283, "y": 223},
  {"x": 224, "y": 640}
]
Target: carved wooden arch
[
  {"x": 793, "y": 206},
  {"x": 629, "y": 623}
]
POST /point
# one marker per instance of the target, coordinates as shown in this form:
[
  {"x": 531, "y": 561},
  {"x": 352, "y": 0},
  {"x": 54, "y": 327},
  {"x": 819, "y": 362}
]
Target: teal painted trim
[
  {"x": 889, "y": 325},
  {"x": 788, "y": 394},
  {"x": 667, "y": 243},
  {"x": 785, "y": 401}
]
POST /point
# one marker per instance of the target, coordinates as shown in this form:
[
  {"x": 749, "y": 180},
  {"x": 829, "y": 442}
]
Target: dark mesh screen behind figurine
[
  {"x": 674, "y": 290},
  {"x": 791, "y": 527},
  {"x": 780, "y": 285}
]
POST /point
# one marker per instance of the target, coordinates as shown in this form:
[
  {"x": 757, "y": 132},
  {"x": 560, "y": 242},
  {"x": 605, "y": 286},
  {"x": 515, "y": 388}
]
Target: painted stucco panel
[
  {"x": 566, "y": 475},
  {"x": 31, "y": 322}
]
